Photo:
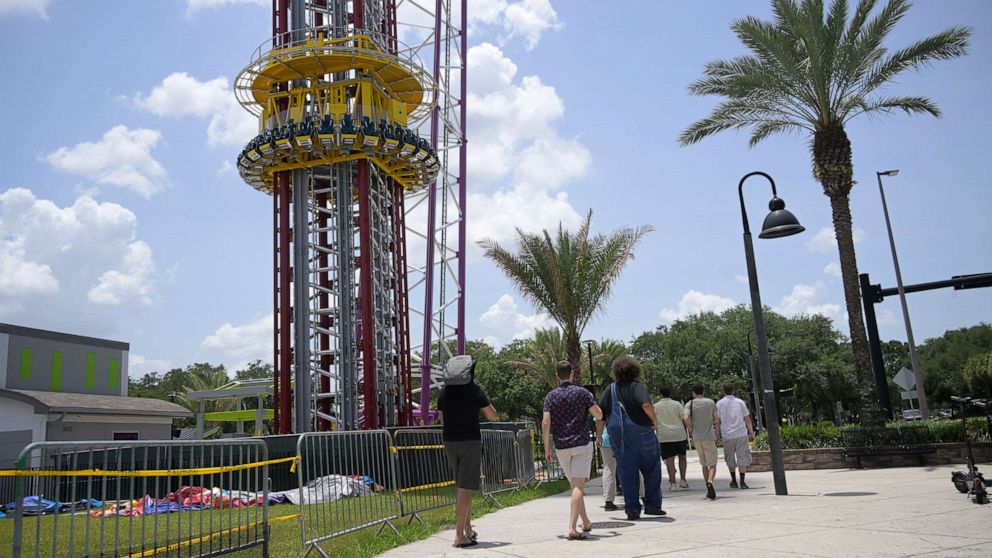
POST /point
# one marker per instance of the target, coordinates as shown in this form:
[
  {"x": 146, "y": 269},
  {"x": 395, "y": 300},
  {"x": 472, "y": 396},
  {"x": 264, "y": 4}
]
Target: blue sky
[{"x": 120, "y": 215}]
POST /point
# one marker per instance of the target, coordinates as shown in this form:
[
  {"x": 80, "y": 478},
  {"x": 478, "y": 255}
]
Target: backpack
[{"x": 458, "y": 371}]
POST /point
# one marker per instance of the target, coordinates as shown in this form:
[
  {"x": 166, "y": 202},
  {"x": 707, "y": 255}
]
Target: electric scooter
[{"x": 971, "y": 481}]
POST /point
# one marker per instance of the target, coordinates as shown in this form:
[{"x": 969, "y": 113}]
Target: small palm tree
[
  {"x": 569, "y": 276},
  {"x": 812, "y": 72},
  {"x": 544, "y": 352}
]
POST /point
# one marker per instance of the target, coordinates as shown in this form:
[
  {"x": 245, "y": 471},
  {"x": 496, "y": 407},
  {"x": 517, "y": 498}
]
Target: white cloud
[
  {"x": 741, "y": 279},
  {"x": 181, "y": 95},
  {"x": 832, "y": 269},
  {"x": 825, "y": 241},
  {"x": 138, "y": 365},
  {"x": 18, "y": 7},
  {"x": 515, "y": 146},
  {"x": 887, "y": 317},
  {"x": 805, "y": 300},
  {"x": 505, "y": 320},
  {"x": 130, "y": 281},
  {"x": 526, "y": 19},
  {"x": 194, "y": 6},
  {"x": 122, "y": 158},
  {"x": 55, "y": 257},
  {"x": 695, "y": 302},
  {"x": 22, "y": 277},
  {"x": 247, "y": 341}
]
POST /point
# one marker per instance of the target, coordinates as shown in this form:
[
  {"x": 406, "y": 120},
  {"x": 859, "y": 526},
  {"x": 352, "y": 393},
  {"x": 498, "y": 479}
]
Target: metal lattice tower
[{"x": 342, "y": 107}]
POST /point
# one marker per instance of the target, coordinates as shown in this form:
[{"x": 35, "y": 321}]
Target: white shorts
[{"x": 576, "y": 462}]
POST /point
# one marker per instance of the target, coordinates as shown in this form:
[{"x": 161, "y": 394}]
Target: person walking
[
  {"x": 737, "y": 432},
  {"x": 565, "y": 409},
  {"x": 610, "y": 468},
  {"x": 700, "y": 419},
  {"x": 673, "y": 436},
  {"x": 459, "y": 407},
  {"x": 631, "y": 424}
]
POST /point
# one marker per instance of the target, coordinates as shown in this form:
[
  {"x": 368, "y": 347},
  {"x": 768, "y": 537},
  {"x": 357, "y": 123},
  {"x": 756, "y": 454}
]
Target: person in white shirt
[
  {"x": 672, "y": 435},
  {"x": 737, "y": 432}
]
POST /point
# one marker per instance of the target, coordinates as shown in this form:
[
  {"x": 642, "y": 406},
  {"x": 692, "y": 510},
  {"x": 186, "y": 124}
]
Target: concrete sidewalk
[{"x": 830, "y": 513}]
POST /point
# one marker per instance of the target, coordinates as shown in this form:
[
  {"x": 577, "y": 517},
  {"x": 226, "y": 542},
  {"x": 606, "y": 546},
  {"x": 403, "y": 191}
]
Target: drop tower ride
[{"x": 362, "y": 147}]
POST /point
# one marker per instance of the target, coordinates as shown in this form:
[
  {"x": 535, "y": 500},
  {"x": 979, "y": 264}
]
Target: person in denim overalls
[{"x": 631, "y": 425}]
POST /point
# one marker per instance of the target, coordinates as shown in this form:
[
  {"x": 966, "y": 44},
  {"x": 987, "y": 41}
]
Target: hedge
[{"x": 827, "y": 434}]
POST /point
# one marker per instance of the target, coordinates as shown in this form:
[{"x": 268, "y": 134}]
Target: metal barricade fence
[
  {"x": 347, "y": 482},
  {"x": 499, "y": 464},
  {"x": 545, "y": 470},
  {"x": 525, "y": 457},
  {"x": 141, "y": 499},
  {"x": 424, "y": 479}
]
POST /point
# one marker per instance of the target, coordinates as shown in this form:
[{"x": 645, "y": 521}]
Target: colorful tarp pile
[{"x": 187, "y": 498}]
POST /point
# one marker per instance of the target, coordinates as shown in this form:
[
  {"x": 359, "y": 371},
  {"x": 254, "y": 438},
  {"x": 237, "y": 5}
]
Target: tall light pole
[
  {"x": 914, "y": 355},
  {"x": 754, "y": 383},
  {"x": 592, "y": 376},
  {"x": 778, "y": 223}
]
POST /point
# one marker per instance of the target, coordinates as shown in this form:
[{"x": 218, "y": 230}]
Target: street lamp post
[
  {"x": 592, "y": 374},
  {"x": 754, "y": 383},
  {"x": 914, "y": 355},
  {"x": 778, "y": 223}
]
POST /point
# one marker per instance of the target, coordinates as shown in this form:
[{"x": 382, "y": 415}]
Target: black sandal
[{"x": 466, "y": 545}]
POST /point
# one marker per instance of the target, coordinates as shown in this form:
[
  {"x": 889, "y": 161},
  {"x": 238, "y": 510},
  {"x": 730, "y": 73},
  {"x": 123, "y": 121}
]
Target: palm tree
[
  {"x": 569, "y": 276},
  {"x": 811, "y": 73},
  {"x": 544, "y": 352}
]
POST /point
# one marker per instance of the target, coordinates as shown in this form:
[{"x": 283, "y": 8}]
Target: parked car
[{"x": 912, "y": 414}]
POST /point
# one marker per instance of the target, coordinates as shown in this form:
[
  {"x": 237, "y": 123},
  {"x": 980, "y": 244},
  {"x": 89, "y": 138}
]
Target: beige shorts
[
  {"x": 575, "y": 462},
  {"x": 736, "y": 452},
  {"x": 706, "y": 449}
]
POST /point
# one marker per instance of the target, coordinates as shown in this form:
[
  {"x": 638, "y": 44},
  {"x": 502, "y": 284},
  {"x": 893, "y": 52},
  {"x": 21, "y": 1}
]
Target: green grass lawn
[{"x": 127, "y": 536}]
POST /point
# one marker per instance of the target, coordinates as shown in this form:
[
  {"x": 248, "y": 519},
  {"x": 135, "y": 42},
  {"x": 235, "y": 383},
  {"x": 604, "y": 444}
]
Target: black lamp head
[{"x": 780, "y": 221}]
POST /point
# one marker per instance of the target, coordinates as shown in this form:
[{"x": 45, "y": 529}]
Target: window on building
[{"x": 125, "y": 435}]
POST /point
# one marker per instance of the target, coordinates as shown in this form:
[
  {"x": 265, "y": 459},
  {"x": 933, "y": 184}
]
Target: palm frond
[{"x": 909, "y": 105}]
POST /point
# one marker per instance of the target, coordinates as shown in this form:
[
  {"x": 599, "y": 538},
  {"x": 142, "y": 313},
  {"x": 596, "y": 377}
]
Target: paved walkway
[{"x": 831, "y": 513}]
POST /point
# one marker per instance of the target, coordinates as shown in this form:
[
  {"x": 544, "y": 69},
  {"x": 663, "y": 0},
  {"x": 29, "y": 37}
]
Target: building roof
[
  {"x": 64, "y": 337},
  {"x": 58, "y": 402}
]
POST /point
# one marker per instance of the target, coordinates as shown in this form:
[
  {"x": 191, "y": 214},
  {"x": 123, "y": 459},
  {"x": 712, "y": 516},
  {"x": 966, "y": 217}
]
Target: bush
[{"x": 826, "y": 435}]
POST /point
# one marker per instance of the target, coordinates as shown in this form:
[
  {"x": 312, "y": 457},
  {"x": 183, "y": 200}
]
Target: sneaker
[
  {"x": 633, "y": 515},
  {"x": 653, "y": 511},
  {"x": 671, "y": 487},
  {"x": 710, "y": 491},
  {"x": 733, "y": 484},
  {"x": 744, "y": 485},
  {"x": 610, "y": 506},
  {"x": 684, "y": 484}
]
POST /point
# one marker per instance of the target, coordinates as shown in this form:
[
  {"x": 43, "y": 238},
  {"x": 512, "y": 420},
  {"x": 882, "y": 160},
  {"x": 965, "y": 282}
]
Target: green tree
[
  {"x": 712, "y": 350},
  {"x": 978, "y": 374},
  {"x": 811, "y": 72},
  {"x": 516, "y": 393},
  {"x": 255, "y": 370},
  {"x": 944, "y": 359},
  {"x": 569, "y": 276}
]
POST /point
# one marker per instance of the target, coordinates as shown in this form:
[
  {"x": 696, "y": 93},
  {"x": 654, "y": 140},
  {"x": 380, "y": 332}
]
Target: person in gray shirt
[{"x": 701, "y": 419}]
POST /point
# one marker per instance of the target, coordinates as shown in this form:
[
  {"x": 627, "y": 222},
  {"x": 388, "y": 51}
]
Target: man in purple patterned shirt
[{"x": 565, "y": 409}]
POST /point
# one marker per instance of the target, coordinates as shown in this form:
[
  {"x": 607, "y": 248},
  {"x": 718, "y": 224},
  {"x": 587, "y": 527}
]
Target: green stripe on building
[
  {"x": 56, "y": 371},
  {"x": 115, "y": 373},
  {"x": 25, "y": 363},
  {"x": 90, "y": 370}
]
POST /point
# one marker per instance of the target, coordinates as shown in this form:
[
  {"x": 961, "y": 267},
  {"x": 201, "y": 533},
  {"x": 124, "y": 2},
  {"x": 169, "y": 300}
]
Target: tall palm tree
[
  {"x": 569, "y": 276},
  {"x": 811, "y": 72}
]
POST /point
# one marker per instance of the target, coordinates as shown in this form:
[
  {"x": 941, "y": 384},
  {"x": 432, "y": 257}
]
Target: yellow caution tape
[
  {"x": 149, "y": 472},
  {"x": 426, "y": 486},
  {"x": 197, "y": 540},
  {"x": 395, "y": 449}
]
